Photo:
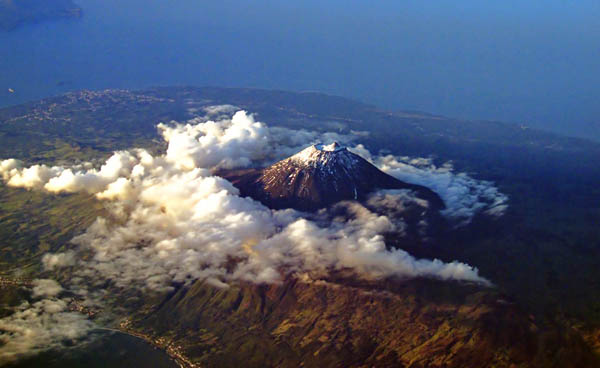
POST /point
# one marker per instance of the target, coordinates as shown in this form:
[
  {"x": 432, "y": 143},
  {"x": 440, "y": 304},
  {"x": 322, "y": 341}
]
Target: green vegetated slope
[
  {"x": 33, "y": 223},
  {"x": 544, "y": 254},
  {"x": 65, "y": 130}
]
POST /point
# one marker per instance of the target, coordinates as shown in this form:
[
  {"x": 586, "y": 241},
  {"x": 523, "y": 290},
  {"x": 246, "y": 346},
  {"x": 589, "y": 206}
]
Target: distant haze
[{"x": 534, "y": 63}]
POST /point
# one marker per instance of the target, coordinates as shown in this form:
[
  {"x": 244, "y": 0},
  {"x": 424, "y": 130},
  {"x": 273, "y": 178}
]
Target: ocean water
[
  {"x": 533, "y": 63},
  {"x": 114, "y": 350}
]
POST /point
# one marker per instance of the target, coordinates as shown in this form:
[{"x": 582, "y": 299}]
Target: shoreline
[
  {"x": 20, "y": 17},
  {"x": 173, "y": 351}
]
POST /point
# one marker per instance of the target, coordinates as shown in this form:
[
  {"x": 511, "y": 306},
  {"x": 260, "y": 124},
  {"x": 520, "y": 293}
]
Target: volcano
[{"x": 318, "y": 177}]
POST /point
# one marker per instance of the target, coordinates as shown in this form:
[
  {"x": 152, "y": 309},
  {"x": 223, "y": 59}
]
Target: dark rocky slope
[{"x": 317, "y": 177}]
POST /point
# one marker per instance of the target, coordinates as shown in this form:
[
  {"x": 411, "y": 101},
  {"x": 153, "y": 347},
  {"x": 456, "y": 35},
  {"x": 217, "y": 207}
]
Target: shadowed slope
[{"x": 318, "y": 177}]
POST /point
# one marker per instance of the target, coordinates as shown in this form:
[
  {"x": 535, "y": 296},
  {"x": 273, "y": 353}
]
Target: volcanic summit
[{"x": 318, "y": 177}]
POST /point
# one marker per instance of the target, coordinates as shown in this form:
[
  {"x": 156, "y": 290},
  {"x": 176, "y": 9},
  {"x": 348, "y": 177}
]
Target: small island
[{"x": 14, "y": 13}]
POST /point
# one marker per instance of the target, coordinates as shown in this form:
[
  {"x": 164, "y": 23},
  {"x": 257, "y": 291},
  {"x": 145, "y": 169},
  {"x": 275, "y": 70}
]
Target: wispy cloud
[
  {"x": 43, "y": 324},
  {"x": 463, "y": 195}
]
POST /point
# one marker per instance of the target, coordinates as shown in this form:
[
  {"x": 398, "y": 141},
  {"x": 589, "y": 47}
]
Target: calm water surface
[
  {"x": 530, "y": 62},
  {"x": 114, "y": 350}
]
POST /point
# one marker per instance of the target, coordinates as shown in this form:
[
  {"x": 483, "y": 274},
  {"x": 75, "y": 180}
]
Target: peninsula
[{"x": 14, "y": 13}]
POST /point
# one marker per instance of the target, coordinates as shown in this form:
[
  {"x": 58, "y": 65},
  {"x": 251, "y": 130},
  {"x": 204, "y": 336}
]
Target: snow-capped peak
[
  {"x": 318, "y": 176},
  {"x": 320, "y": 155},
  {"x": 333, "y": 147}
]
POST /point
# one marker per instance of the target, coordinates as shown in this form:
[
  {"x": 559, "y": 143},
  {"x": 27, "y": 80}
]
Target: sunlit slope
[{"x": 341, "y": 323}]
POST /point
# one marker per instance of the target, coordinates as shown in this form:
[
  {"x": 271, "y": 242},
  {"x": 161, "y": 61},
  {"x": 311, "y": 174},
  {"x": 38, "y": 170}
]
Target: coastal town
[
  {"x": 63, "y": 108},
  {"x": 174, "y": 351},
  {"x": 6, "y": 282}
]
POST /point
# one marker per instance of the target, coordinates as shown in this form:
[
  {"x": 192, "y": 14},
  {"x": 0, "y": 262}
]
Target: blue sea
[
  {"x": 533, "y": 63},
  {"x": 114, "y": 350}
]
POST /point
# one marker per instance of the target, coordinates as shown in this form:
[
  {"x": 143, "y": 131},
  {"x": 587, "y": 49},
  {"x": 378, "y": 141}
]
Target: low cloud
[
  {"x": 217, "y": 110},
  {"x": 173, "y": 220},
  {"x": 45, "y": 287},
  {"x": 463, "y": 195},
  {"x": 179, "y": 222},
  {"x": 239, "y": 141},
  {"x": 43, "y": 324},
  {"x": 51, "y": 261},
  {"x": 164, "y": 241}
]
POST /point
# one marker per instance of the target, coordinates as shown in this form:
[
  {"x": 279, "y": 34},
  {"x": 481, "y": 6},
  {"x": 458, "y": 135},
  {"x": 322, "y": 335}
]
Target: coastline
[
  {"x": 17, "y": 16},
  {"x": 173, "y": 351}
]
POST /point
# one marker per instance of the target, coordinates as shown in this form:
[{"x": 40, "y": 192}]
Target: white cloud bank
[
  {"x": 179, "y": 222},
  {"x": 173, "y": 220}
]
